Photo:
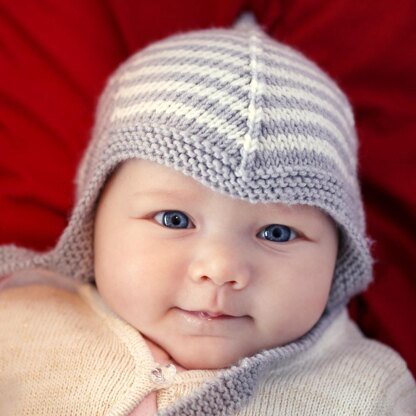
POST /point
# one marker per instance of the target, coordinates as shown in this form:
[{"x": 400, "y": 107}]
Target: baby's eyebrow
[{"x": 177, "y": 194}]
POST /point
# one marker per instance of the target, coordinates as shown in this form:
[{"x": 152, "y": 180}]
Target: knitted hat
[
  {"x": 240, "y": 113},
  {"x": 243, "y": 115}
]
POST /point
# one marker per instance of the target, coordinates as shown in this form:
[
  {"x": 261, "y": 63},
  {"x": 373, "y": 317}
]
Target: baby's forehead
[{"x": 143, "y": 179}]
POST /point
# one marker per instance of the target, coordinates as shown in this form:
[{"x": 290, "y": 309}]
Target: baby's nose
[{"x": 220, "y": 263}]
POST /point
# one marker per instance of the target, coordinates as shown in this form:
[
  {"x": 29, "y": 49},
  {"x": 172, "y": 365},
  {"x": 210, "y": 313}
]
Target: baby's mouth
[
  {"x": 212, "y": 315},
  {"x": 209, "y": 322},
  {"x": 209, "y": 315}
]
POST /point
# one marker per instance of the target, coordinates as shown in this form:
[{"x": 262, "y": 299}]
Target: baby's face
[{"x": 209, "y": 278}]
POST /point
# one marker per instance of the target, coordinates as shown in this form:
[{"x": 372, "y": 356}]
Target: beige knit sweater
[{"x": 65, "y": 353}]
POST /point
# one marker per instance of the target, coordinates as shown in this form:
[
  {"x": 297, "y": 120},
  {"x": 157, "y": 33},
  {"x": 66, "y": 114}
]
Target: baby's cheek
[{"x": 288, "y": 315}]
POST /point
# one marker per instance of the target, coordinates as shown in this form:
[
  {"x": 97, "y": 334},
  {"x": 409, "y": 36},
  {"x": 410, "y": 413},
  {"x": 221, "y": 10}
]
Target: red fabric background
[{"x": 55, "y": 57}]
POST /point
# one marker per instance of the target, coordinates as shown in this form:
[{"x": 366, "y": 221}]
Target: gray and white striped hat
[{"x": 240, "y": 113}]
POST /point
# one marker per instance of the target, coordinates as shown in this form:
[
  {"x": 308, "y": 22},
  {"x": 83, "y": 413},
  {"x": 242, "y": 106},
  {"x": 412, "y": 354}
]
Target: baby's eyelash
[
  {"x": 177, "y": 220},
  {"x": 173, "y": 219},
  {"x": 277, "y": 233}
]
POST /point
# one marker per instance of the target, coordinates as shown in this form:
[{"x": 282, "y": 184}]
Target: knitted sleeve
[{"x": 400, "y": 398}]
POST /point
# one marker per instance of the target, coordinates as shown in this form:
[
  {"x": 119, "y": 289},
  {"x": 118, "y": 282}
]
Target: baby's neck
[{"x": 160, "y": 355}]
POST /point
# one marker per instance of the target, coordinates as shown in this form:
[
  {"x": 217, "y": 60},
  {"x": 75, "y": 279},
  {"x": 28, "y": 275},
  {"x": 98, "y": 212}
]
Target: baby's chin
[
  {"x": 206, "y": 362},
  {"x": 204, "y": 355}
]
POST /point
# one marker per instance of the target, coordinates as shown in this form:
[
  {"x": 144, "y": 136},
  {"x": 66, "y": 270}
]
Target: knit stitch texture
[
  {"x": 45, "y": 373},
  {"x": 243, "y": 115}
]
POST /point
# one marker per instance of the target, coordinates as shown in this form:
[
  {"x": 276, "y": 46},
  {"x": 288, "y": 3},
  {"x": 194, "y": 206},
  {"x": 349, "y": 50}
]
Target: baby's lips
[
  {"x": 209, "y": 314},
  {"x": 213, "y": 315}
]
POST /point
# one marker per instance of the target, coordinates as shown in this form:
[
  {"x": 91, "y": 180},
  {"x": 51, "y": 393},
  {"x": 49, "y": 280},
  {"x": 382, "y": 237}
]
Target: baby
[{"x": 217, "y": 236}]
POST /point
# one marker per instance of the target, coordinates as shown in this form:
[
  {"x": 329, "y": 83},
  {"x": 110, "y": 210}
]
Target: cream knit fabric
[{"x": 65, "y": 353}]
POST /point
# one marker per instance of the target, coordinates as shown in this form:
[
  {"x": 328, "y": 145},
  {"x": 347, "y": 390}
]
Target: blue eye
[
  {"x": 172, "y": 219},
  {"x": 277, "y": 233}
]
